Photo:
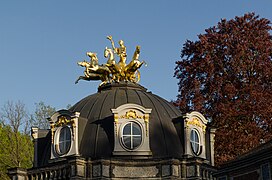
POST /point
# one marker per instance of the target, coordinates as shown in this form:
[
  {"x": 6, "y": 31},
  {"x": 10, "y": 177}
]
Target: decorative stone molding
[
  {"x": 196, "y": 119},
  {"x": 34, "y": 132},
  {"x": 59, "y": 120},
  {"x": 131, "y": 113},
  {"x": 80, "y": 168},
  {"x": 196, "y": 122}
]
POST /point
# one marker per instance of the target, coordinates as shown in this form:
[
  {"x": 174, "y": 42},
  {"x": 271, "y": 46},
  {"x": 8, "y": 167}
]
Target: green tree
[
  {"x": 227, "y": 75},
  {"x": 16, "y": 147}
]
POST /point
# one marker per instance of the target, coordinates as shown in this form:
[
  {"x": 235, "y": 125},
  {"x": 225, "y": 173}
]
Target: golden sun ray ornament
[{"x": 112, "y": 71}]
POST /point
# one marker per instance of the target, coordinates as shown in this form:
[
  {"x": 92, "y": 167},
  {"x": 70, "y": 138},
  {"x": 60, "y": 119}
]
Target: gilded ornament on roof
[
  {"x": 196, "y": 122},
  {"x": 131, "y": 114},
  {"x": 112, "y": 71}
]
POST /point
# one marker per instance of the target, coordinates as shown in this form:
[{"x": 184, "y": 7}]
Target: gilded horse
[
  {"x": 131, "y": 70},
  {"x": 93, "y": 71},
  {"x": 111, "y": 64}
]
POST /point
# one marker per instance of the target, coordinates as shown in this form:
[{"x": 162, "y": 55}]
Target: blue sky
[{"x": 41, "y": 42}]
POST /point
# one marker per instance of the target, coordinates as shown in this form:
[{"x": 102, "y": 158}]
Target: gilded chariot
[{"x": 112, "y": 71}]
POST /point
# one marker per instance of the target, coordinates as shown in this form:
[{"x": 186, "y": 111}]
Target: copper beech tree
[{"x": 227, "y": 75}]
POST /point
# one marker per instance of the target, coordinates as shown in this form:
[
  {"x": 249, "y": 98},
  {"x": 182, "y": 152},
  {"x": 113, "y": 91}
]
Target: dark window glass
[
  {"x": 64, "y": 140},
  {"x": 195, "y": 142},
  {"x": 265, "y": 172},
  {"x": 132, "y": 135},
  {"x": 137, "y": 130},
  {"x": 127, "y": 130}
]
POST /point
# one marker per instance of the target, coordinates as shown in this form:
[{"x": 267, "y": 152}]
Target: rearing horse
[
  {"x": 93, "y": 71},
  {"x": 131, "y": 69},
  {"x": 111, "y": 64}
]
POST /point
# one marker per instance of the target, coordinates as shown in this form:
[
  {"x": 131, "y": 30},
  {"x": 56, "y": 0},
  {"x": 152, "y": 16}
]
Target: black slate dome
[{"x": 97, "y": 132}]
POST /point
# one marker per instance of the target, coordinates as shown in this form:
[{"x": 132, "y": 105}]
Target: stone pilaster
[
  {"x": 17, "y": 174},
  {"x": 212, "y": 135},
  {"x": 78, "y": 168}
]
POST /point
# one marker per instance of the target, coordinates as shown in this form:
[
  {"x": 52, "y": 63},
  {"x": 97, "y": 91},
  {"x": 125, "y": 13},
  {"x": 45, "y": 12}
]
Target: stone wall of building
[{"x": 78, "y": 168}]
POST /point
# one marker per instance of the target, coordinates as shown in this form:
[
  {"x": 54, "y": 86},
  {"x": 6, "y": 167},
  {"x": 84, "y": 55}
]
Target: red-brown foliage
[{"x": 227, "y": 75}]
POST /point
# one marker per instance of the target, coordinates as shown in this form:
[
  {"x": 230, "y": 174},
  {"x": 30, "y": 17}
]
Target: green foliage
[
  {"x": 227, "y": 75},
  {"x": 16, "y": 150},
  {"x": 16, "y": 146}
]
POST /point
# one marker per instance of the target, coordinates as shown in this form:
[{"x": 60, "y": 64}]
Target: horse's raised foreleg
[{"x": 82, "y": 77}]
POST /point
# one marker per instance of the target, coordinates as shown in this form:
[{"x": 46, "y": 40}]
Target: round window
[
  {"x": 64, "y": 140},
  {"x": 131, "y": 135},
  {"x": 195, "y": 142}
]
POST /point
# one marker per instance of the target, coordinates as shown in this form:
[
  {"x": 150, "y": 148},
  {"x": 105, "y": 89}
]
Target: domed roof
[{"x": 97, "y": 121}]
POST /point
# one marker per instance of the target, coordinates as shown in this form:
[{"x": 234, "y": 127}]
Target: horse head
[
  {"x": 108, "y": 52},
  {"x": 92, "y": 55},
  {"x": 83, "y": 63}
]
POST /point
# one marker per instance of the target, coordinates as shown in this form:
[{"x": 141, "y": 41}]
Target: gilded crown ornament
[{"x": 112, "y": 71}]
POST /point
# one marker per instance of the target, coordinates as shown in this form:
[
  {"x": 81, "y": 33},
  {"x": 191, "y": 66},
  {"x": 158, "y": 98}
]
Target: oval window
[
  {"x": 195, "y": 142},
  {"x": 64, "y": 140},
  {"x": 131, "y": 135}
]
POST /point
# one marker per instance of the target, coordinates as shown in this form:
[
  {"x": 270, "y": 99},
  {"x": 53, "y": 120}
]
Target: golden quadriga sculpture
[{"x": 112, "y": 71}]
